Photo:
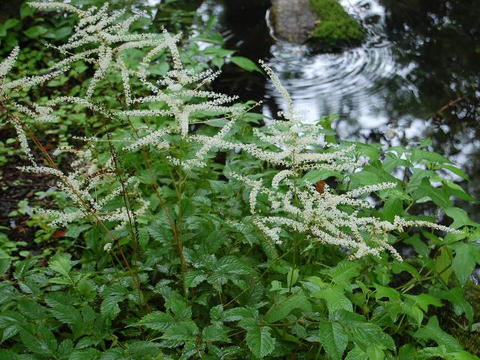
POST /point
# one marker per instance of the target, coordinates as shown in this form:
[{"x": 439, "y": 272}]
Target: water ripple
[{"x": 351, "y": 83}]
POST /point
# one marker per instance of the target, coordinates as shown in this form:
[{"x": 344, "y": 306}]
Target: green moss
[{"x": 336, "y": 28}]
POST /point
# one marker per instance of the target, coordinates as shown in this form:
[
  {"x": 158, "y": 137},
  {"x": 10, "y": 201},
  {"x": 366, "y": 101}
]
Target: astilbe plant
[
  {"x": 102, "y": 40},
  {"x": 321, "y": 214},
  {"x": 168, "y": 105},
  {"x": 153, "y": 132}
]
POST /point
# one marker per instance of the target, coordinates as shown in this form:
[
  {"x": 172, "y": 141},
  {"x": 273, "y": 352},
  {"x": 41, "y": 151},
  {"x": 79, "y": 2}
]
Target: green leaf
[
  {"x": 61, "y": 33},
  {"x": 181, "y": 332},
  {"x": 371, "y": 175},
  {"x": 35, "y": 31},
  {"x": 280, "y": 310},
  {"x": 217, "y": 51},
  {"x": 335, "y": 298},
  {"x": 90, "y": 354},
  {"x": 418, "y": 245},
  {"x": 386, "y": 292},
  {"x": 61, "y": 264},
  {"x": 157, "y": 320},
  {"x": 292, "y": 277},
  {"x": 443, "y": 264},
  {"x": 245, "y": 64},
  {"x": 364, "y": 334},
  {"x": 177, "y": 304},
  {"x": 427, "y": 191},
  {"x": 67, "y": 315},
  {"x": 10, "y": 23},
  {"x": 464, "y": 261},
  {"x": 357, "y": 354},
  {"x": 42, "y": 342},
  {"x": 32, "y": 309},
  {"x": 343, "y": 273},
  {"x": 432, "y": 331},
  {"x": 424, "y": 300},
  {"x": 26, "y": 10},
  {"x": 460, "y": 218},
  {"x": 457, "y": 299},
  {"x": 456, "y": 190},
  {"x": 316, "y": 175},
  {"x": 456, "y": 171},
  {"x": 259, "y": 341},
  {"x": 112, "y": 296},
  {"x": 239, "y": 314},
  {"x": 215, "y": 333},
  {"x": 333, "y": 339},
  {"x": 194, "y": 278},
  {"x": 428, "y": 156}
]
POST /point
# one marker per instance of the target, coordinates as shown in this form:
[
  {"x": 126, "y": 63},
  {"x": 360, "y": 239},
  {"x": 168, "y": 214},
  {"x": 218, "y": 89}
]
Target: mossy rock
[
  {"x": 335, "y": 28},
  {"x": 323, "y": 24}
]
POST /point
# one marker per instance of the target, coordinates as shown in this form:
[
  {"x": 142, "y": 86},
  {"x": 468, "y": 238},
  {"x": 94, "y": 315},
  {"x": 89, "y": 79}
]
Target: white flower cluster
[
  {"x": 102, "y": 40},
  {"x": 320, "y": 214}
]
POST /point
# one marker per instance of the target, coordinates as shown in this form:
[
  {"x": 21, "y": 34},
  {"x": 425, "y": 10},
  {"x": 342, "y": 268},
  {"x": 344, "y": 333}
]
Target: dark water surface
[{"x": 416, "y": 76}]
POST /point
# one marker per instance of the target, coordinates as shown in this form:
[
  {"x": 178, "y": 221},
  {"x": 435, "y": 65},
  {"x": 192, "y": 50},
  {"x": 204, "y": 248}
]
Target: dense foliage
[{"x": 182, "y": 226}]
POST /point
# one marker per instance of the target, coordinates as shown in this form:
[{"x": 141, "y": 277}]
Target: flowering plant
[{"x": 207, "y": 214}]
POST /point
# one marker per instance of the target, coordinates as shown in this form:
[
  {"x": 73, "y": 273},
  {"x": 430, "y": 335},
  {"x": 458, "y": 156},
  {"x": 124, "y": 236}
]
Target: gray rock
[{"x": 292, "y": 20}]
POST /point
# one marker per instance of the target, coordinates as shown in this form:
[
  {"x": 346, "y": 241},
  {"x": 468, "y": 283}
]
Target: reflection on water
[{"x": 416, "y": 76}]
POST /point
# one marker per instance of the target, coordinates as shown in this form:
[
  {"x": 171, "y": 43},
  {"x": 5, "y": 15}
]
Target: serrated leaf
[
  {"x": 215, "y": 333},
  {"x": 364, "y": 334},
  {"x": 22, "y": 268},
  {"x": 112, "y": 296},
  {"x": 216, "y": 313},
  {"x": 238, "y": 314},
  {"x": 259, "y": 341},
  {"x": 32, "y": 309},
  {"x": 157, "y": 320},
  {"x": 90, "y": 354},
  {"x": 177, "y": 304},
  {"x": 193, "y": 278},
  {"x": 335, "y": 298},
  {"x": 68, "y": 315},
  {"x": 333, "y": 339},
  {"x": 144, "y": 350},
  {"x": 281, "y": 309},
  {"x": 42, "y": 342},
  {"x": 181, "y": 332},
  {"x": 344, "y": 272},
  {"x": 61, "y": 263}
]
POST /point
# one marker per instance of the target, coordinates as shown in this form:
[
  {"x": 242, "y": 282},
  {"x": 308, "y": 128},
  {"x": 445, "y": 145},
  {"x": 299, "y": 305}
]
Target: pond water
[{"x": 417, "y": 75}]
